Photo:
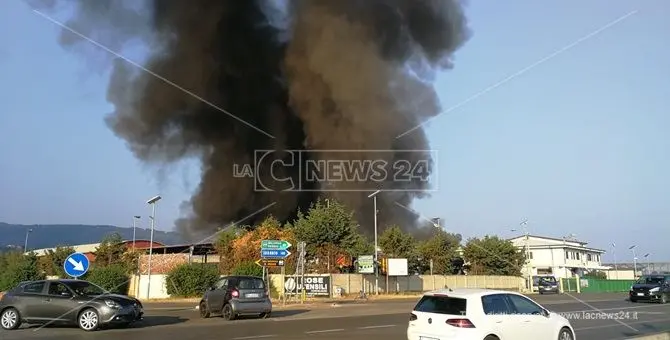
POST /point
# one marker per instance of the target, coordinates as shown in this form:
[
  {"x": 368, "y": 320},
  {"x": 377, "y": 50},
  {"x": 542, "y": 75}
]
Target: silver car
[{"x": 233, "y": 296}]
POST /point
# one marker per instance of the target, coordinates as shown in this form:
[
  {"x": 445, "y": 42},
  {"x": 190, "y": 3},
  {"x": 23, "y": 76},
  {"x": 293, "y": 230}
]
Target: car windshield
[
  {"x": 653, "y": 280},
  {"x": 549, "y": 279},
  {"x": 441, "y": 305},
  {"x": 85, "y": 288},
  {"x": 250, "y": 283}
]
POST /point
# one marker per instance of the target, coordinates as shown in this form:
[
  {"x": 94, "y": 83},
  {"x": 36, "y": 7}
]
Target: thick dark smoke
[{"x": 313, "y": 74}]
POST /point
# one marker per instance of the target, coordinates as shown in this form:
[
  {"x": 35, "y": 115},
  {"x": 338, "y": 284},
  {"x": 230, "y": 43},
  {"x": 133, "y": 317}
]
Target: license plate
[
  {"x": 253, "y": 295},
  {"x": 640, "y": 294}
]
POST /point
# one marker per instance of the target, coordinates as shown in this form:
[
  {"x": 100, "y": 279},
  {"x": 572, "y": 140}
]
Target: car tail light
[
  {"x": 460, "y": 323},
  {"x": 235, "y": 293},
  {"x": 412, "y": 317}
]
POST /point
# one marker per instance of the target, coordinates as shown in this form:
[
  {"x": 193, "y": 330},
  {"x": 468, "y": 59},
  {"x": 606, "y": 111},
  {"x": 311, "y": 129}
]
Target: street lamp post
[
  {"x": 374, "y": 202},
  {"x": 135, "y": 219},
  {"x": 646, "y": 259},
  {"x": 632, "y": 248},
  {"x": 151, "y": 202},
  {"x": 616, "y": 270},
  {"x": 529, "y": 274},
  {"x": 25, "y": 243}
]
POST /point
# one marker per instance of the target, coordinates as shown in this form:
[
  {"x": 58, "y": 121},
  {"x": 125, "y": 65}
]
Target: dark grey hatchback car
[
  {"x": 232, "y": 296},
  {"x": 72, "y": 302}
]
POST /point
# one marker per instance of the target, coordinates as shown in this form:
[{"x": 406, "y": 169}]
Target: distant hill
[{"x": 52, "y": 235}]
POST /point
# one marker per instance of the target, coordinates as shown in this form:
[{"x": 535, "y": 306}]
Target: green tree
[
  {"x": 112, "y": 250},
  {"x": 225, "y": 247},
  {"x": 397, "y": 244},
  {"x": 16, "y": 267},
  {"x": 52, "y": 262},
  {"x": 441, "y": 248},
  {"x": 493, "y": 256},
  {"x": 328, "y": 224}
]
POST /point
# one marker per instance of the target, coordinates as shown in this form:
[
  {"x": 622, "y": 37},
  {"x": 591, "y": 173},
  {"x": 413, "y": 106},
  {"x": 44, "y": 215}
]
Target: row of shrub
[{"x": 191, "y": 280}]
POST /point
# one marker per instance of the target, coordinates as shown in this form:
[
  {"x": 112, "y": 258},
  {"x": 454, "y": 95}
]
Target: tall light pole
[
  {"x": 135, "y": 219},
  {"x": 529, "y": 274},
  {"x": 25, "y": 243},
  {"x": 616, "y": 270},
  {"x": 374, "y": 200},
  {"x": 152, "y": 201},
  {"x": 632, "y": 248},
  {"x": 646, "y": 259}
]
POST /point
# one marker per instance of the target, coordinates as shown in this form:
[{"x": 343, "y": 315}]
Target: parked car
[
  {"x": 484, "y": 314},
  {"x": 655, "y": 288},
  {"x": 547, "y": 284},
  {"x": 70, "y": 302},
  {"x": 233, "y": 296}
]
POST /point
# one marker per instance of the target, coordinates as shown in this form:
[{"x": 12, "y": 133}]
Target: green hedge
[
  {"x": 112, "y": 278},
  {"x": 248, "y": 268},
  {"x": 190, "y": 280}
]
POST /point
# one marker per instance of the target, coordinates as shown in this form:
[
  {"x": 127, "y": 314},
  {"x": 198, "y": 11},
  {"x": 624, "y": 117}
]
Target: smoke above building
[{"x": 230, "y": 82}]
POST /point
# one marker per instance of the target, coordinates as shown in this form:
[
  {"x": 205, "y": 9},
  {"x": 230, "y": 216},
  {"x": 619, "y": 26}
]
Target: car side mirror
[{"x": 546, "y": 313}]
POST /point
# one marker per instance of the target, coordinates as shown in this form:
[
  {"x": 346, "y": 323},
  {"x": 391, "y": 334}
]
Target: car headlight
[
  {"x": 112, "y": 304},
  {"x": 654, "y": 290}
]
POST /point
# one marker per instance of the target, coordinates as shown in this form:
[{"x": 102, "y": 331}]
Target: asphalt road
[{"x": 375, "y": 320}]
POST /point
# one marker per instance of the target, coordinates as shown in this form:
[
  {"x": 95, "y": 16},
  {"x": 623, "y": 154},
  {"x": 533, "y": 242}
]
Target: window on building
[
  {"x": 578, "y": 256},
  {"x": 567, "y": 255},
  {"x": 588, "y": 257}
]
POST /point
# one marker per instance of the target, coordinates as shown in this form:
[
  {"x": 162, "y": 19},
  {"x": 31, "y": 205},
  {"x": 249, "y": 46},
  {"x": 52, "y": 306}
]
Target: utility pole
[
  {"x": 616, "y": 269},
  {"x": 632, "y": 248},
  {"x": 374, "y": 200}
]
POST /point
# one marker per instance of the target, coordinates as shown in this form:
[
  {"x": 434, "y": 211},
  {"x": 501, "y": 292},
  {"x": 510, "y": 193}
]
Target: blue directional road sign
[
  {"x": 76, "y": 265},
  {"x": 275, "y": 253}
]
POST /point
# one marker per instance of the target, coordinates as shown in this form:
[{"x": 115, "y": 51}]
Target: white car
[{"x": 483, "y": 314}]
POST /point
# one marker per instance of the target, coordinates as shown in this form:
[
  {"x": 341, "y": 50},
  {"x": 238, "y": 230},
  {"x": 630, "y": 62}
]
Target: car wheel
[
  {"x": 204, "y": 312},
  {"x": 633, "y": 300},
  {"x": 89, "y": 320},
  {"x": 265, "y": 315},
  {"x": 227, "y": 312},
  {"x": 10, "y": 319},
  {"x": 491, "y": 337},
  {"x": 565, "y": 334}
]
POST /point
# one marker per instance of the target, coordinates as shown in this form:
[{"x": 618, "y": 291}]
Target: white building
[{"x": 559, "y": 257}]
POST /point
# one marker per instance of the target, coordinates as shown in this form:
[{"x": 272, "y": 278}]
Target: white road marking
[
  {"x": 609, "y": 325},
  {"x": 373, "y": 327},
  {"x": 256, "y": 337},
  {"x": 325, "y": 331}
]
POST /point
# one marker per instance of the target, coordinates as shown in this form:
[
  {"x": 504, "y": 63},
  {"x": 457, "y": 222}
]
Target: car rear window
[
  {"x": 550, "y": 279},
  {"x": 440, "y": 304},
  {"x": 250, "y": 283}
]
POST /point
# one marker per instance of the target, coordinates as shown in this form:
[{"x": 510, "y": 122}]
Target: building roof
[
  {"x": 82, "y": 248},
  {"x": 198, "y": 249},
  {"x": 552, "y": 242}
]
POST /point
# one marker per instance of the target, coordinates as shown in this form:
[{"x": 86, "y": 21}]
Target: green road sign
[{"x": 275, "y": 244}]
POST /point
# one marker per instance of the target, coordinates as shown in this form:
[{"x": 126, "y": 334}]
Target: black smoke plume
[{"x": 301, "y": 75}]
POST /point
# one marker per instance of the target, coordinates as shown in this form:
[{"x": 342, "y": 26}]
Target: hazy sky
[{"x": 572, "y": 136}]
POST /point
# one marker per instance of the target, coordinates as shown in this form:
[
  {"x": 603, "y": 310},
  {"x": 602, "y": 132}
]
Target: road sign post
[
  {"x": 273, "y": 253},
  {"x": 76, "y": 265}
]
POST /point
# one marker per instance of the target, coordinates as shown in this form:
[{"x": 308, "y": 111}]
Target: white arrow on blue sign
[
  {"x": 275, "y": 253},
  {"x": 76, "y": 265}
]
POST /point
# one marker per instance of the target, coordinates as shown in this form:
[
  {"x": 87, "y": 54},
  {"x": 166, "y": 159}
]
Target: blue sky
[{"x": 576, "y": 144}]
